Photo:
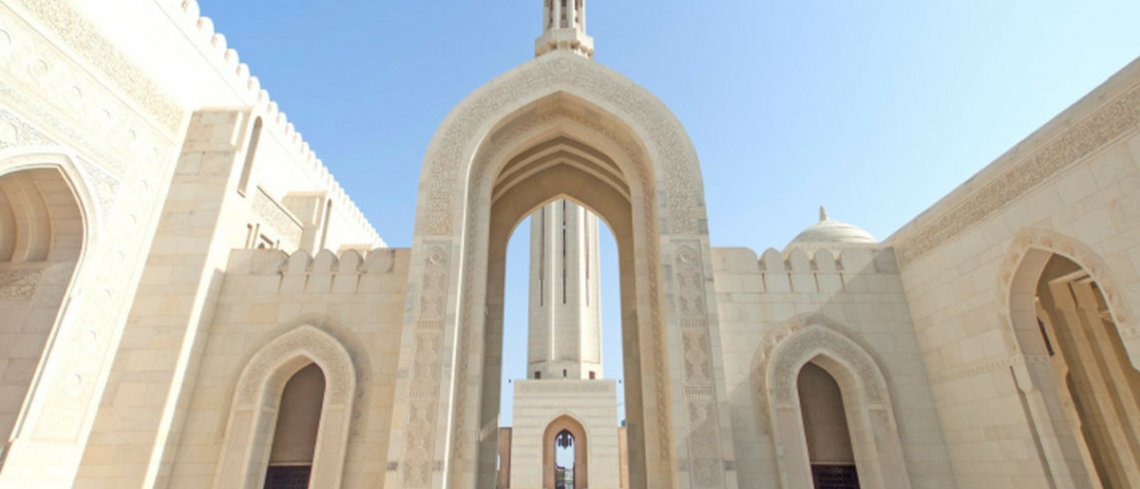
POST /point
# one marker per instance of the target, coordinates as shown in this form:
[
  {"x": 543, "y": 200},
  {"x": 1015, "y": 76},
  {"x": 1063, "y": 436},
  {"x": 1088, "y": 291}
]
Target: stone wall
[
  {"x": 856, "y": 292},
  {"x": 356, "y": 299},
  {"x": 1070, "y": 188}
]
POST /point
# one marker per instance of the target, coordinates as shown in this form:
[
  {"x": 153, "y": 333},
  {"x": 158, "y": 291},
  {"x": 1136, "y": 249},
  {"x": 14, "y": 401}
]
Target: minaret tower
[
  {"x": 564, "y": 28},
  {"x": 565, "y": 337}
]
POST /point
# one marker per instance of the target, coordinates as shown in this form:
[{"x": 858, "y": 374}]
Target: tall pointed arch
[
  {"x": 654, "y": 196},
  {"x": 248, "y": 438},
  {"x": 48, "y": 228},
  {"x": 1053, "y": 376}
]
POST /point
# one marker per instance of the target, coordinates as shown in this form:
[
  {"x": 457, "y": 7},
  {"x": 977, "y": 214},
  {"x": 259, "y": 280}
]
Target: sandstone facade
[{"x": 172, "y": 253}]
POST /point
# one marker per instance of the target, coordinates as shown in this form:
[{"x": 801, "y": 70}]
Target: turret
[{"x": 564, "y": 28}]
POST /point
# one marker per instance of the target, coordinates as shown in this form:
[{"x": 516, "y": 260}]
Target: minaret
[
  {"x": 564, "y": 339},
  {"x": 564, "y": 28}
]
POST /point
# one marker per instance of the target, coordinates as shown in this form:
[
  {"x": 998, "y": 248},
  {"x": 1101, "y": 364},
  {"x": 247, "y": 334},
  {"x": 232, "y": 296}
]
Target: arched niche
[
  {"x": 559, "y": 127},
  {"x": 257, "y": 397},
  {"x": 46, "y": 231},
  {"x": 581, "y": 450},
  {"x": 866, "y": 400},
  {"x": 1071, "y": 337}
]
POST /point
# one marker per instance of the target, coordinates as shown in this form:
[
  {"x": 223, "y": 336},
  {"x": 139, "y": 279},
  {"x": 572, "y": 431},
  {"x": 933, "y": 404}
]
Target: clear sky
[{"x": 874, "y": 109}]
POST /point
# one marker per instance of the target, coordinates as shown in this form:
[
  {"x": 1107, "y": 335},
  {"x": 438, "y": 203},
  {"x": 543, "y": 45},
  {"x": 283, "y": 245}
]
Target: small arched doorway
[
  {"x": 42, "y": 234},
  {"x": 295, "y": 434},
  {"x": 564, "y": 455},
  {"x": 828, "y": 438}
]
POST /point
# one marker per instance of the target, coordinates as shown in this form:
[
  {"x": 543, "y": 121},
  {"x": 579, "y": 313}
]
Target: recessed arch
[
  {"x": 558, "y": 100},
  {"x": 1074, "y": 346},
  {"x": 257, "y": 396},
  {"x": 46, "y": 234},
  {"x": 866, "y": 398}
]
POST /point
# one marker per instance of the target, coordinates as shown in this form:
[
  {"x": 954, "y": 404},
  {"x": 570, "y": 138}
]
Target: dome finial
[
  {"x": 564, "y": 28},
  {"x": 822, "y": 213}
]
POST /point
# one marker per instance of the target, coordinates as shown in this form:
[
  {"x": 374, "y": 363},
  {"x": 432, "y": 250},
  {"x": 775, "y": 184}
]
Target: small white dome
[{"x": 827, "y": 231}]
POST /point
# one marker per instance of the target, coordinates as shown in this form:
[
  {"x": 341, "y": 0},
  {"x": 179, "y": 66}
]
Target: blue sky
[{"x": 874, "y": 109}]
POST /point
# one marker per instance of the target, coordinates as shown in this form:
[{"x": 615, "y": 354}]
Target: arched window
[
  {"x": 326, "y": 225},
  {"x": 825, "y": 428},
  {"x": 295, "y": 436},
  {"x": 250, "y": 152}
]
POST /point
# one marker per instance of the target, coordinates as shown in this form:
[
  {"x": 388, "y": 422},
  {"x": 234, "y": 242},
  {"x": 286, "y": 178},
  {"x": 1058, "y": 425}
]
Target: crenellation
[{"x": 215, "y": 44}]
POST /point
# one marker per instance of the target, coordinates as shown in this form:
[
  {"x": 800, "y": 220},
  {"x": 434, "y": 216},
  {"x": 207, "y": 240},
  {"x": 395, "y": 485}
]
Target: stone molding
[
  {"x": 1028, "y": 240},
  {"x": 451, "y": 151},
  {"x": 1033, "y": 166},
  {"x": 249, "y": 431}
]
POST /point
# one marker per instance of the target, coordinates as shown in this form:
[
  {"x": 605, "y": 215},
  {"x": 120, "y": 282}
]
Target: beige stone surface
[{"x": 147, "y": 338}]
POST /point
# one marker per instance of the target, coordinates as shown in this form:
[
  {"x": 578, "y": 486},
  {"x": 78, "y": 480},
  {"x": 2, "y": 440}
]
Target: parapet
[
  {"x": 212, "y": 45},
  {"x": 327, "y": 272},
  {"x": 820, "y": 272}
]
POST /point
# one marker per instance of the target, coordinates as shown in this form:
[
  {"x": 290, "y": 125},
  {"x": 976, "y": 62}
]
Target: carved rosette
[{"x": 698, "y": 378}]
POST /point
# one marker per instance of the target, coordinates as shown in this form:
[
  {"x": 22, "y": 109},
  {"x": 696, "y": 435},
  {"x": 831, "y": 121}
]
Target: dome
[{"x": 827, "y": 231}]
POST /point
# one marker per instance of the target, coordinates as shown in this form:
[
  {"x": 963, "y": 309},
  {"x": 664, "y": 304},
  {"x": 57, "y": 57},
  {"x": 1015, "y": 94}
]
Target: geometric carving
[
  {"x": 277, "y": 217},
  {"x": 426, "y": 370},
  {"x": 677, "y": 160},
  {"x": 1043, "y": 163},
  {"x": 696, "y": 353},
  {"x": 814, "y": 340},
  {"x": 88, "y": 42}
]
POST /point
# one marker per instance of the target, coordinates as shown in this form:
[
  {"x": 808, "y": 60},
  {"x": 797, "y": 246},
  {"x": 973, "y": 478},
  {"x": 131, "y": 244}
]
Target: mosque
[{"x": 190, "y": 300}]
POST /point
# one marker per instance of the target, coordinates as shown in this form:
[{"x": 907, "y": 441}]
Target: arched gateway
[{"x": 560, "y": 126}]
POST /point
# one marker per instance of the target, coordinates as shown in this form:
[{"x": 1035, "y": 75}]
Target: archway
[
  {"x": 866, "y": 400},
  {"x": 558, "y": 432},
  {"x": 248, "y": 444},
  {"x": 560, "y": 127},
  {"x": 42, "y": 238},
  {"x": 830, "y": 453},
  {"x": 1082, "y": 388}
]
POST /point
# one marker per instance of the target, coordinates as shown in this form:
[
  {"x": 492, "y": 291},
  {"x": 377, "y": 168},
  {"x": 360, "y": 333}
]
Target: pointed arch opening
[
  {"x": 1080, "y": 385},
  {"x": 299, "y": 443},
  {"x": 565, "y": 461},
  {"x": 43, "y": 234}
]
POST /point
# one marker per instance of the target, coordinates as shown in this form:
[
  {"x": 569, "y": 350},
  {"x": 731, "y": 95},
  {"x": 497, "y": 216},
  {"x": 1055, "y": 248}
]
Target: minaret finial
[
  {"x": 564, "y": 28},
  {"x": 822, "y": 213}
]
